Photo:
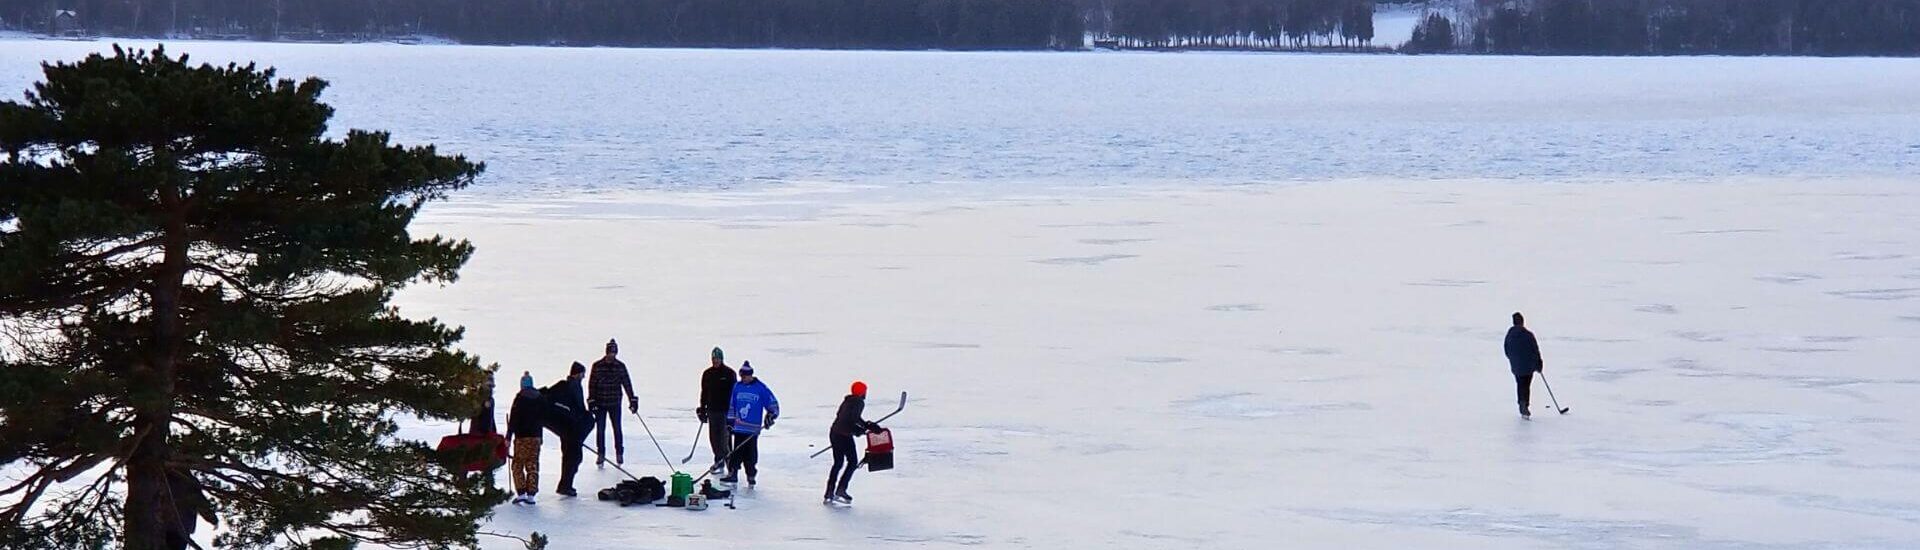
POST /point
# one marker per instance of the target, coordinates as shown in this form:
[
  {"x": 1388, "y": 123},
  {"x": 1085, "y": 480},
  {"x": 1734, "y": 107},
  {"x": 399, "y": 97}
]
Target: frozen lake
[
  {"x": 1197, "y": 300},
  {"x": 558, "y": 119},
  {"x": 1292, "y": 365}
]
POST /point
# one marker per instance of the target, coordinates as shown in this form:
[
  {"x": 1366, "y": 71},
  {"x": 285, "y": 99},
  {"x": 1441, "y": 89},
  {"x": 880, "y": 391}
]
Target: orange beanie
[{"x": 860, "y": 388}]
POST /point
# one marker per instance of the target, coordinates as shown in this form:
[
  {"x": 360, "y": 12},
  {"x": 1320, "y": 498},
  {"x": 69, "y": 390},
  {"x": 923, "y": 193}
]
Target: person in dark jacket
[
  {"x": 571, "y": 424},
  {"x": 716, "y": 395},
  {"x": 752, "y": 409},
  {"x": 1523, "y": 357},
  {"x": 846, "y": 423},
  {"x": 604, "y": 389},
  {"x": 524, "y": 424},
  {"x": 482, "y": 422}
]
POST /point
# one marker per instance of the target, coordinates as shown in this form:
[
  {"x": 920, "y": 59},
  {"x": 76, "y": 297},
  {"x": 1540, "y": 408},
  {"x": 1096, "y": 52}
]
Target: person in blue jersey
[{"x": 752, "y": 409}]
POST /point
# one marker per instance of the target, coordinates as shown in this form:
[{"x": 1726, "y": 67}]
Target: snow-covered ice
[
  {"x": 1312, "y": 365},
  {"x": 1159, "y": 301},
  {"x": 559, "y": 120}
]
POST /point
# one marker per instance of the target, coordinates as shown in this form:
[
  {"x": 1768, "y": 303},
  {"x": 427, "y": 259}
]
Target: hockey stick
[
  {"x": 902, "y": 407},
  {"x": 896, "y": 410},
  {"x": 696, "y": 442},
  {"x": 616, "y": 466},
  {"x": 736, "y": 448},
  {"x": 1556, "y": 400},
  {"x": 656, "y": 442}
]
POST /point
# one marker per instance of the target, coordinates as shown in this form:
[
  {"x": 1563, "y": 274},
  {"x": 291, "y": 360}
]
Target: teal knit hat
[{"x": 718, "y": 356}]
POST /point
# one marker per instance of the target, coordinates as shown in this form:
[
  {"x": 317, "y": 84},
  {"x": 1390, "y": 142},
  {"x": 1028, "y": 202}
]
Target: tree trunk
[{"x": 152, "y": 520}]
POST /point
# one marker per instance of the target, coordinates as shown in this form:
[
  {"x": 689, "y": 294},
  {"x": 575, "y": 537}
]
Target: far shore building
[{"x": 65, "y": 22}]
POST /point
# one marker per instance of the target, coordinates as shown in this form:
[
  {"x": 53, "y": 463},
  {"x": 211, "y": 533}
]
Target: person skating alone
[
  {"x": 1523, "y": 357},
  {"x": 604, "y": 387},
  {"x": 571, "y": 424},
  {"x": 846, "y": 424},
  {"x": 524, "y": 426},
  {"x": 716, "y": 397},
  {"x": 752, "y": 409}
]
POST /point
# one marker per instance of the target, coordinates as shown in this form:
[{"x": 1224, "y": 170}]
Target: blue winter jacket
[{"x": 752, "y": 407}]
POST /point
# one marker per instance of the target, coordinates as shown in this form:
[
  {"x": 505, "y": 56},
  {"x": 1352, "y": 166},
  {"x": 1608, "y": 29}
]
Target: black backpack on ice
[{"x": 630, "y": 492}]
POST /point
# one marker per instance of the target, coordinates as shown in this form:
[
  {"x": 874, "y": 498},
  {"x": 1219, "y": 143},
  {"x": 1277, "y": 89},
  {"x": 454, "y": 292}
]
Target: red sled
[
  {"x": 474, "y": 452},
  {"x": 880, "y": 450}
]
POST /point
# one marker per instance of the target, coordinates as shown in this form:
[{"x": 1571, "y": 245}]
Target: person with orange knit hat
[{"x": 846, "y": 423}]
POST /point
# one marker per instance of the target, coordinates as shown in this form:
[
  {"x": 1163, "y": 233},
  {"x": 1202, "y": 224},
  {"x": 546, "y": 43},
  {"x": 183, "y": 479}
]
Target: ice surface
[
  {"x": 1311, "y": 365},
  {"x": 558, "y": 120},
  {"x": 1122, "y": 331}
]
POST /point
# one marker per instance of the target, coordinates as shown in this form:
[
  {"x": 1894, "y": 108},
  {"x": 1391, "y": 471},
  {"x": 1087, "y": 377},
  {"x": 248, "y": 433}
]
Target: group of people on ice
[{"x": 734, "y": 405}]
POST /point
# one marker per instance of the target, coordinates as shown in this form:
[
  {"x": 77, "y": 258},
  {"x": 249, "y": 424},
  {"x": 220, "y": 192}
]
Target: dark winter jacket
[
  {"x": 608, "y": 379},
  {"x": 567, "y": 414},
  {"x": 482, "y": 422},
  {"x": 527, "y": 414},
  {"x": 848, "y": 422},
  {"x": 1523, "y": 352},
  {"x": 716, "y": 390}
]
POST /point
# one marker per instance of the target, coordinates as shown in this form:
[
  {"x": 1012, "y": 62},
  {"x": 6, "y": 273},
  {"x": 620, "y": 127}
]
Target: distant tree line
[
  {"x": 1234, "y": 23},
  {"x": 903, "y": 24},
  {"x": 1664, "y": 27},
  {"x": 1599, "y": 27}
]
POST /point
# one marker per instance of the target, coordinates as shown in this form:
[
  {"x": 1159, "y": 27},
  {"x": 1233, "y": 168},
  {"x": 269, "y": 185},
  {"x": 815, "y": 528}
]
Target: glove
[
  {"x": 701, "y": 412},
  {"x": 769, "y": 424},
  {"x": 874, "y": 427},
  {"x": 633, "y": 405}
]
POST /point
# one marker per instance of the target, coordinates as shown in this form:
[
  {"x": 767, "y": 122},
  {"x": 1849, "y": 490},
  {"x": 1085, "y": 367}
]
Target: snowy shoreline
[{"x": 1156, "y": 366}]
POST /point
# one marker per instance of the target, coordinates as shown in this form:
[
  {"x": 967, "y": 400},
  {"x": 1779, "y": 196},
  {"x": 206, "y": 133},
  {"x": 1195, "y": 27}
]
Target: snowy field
[{"x": 1197, "y": 300}]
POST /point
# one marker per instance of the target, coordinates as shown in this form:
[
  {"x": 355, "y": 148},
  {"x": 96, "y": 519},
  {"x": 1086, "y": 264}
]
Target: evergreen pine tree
[{"x": 194, "y": 318}]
